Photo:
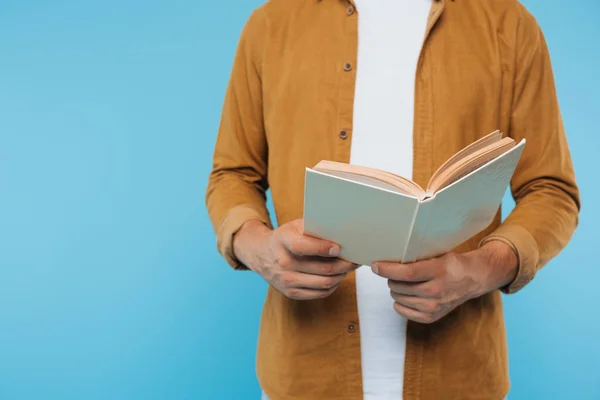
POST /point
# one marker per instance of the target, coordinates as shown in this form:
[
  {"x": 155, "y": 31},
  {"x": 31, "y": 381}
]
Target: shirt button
[
  {"x": 343, "y": 134},
  {"x": 350, "y": 10},
  {"x": 348, "y": 67},
  {"x": 351, "y": 328}
]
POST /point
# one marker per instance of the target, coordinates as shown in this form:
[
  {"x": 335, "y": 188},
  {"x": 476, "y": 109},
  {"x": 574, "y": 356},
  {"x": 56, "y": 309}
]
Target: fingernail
[
  {"x": 334, "y": 251},
  {"x": 375, "y": 268}
]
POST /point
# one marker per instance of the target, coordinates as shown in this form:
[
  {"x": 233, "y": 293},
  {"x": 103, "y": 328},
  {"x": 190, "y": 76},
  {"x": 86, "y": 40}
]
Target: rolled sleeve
[
  {"x": 237, "y": 185},
  {"x": 232, "y": 222},
  {"x": 543, "y": 186},
  {"x": 525, "y": 247}
]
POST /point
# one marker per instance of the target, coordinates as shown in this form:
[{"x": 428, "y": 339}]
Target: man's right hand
[{"x": 298, "y": 266}]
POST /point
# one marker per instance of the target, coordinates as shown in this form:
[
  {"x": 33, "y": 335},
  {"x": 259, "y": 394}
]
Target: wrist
[
  {"x": 500, "y": 263},
  {"x": 249, "y": 240}
]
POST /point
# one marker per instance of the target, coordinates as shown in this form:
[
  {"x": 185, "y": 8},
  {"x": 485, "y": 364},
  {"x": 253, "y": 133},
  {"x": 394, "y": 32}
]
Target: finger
[
  {"x": 308, "y": 281},
  {"x": 420, "y": 271},
  {"x": 427, "y": 306},
  {"x": 307, "y": 294},
  {"x": 414, "y": 315},
  {"x": 430, "y": 289},
  {"x": 302, "y": 245},
  {"x": 324, "y": 266}
]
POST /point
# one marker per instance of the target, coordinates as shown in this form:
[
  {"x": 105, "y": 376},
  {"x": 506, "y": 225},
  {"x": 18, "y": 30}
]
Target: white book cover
[{"x": 373, "y": 221}]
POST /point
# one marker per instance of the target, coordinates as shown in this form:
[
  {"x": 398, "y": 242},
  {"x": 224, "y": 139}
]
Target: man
[{"x": 402, "y": 86}]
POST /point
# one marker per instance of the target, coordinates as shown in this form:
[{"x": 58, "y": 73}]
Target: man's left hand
[{"x": 425, "y": 291}]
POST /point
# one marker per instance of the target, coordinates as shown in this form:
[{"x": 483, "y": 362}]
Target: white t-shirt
[{"x": 390, "y": 36}]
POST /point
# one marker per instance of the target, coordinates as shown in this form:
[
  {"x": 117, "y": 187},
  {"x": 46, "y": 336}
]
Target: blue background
[{"x": 110, "y": 284}]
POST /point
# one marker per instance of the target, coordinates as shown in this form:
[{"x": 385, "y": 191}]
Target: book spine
[
  {"x": 418, "y": 231},
  {"x": 306, "y": 194},
  {"x": 410, "y": 235}
]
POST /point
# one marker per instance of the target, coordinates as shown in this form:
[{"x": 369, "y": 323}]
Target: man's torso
[{"x": 463, "y": 89}]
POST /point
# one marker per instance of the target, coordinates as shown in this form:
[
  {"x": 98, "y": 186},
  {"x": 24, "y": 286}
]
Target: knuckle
[
  {"x": 398, "y": 309},
  {"x": 447, "y": 261},
  {"x": 410, "y": 274},
  {"x": 392, "y": 285},
  {"x": 328, "y": 269},
  {"x": 431, "y": 307},
  {"x": 434, "y": 291},
  {"x": 284, "y": 261},
  {"x": 442, "y": 271},
  {"x": 287, "y": 280},
  {"x": 428, "y": 319},
  {"x": 341, "y": 268},
  {"x": 278, "y": 237},
  {"x": 323, "y": 248},
  {"x": 293, "y": 246},
  {"x": 293, "y": 294},
  {"x": 329, "y": 283}
]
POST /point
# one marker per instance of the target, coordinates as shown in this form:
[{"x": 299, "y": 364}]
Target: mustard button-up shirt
[{"x": 484, "y": 65}]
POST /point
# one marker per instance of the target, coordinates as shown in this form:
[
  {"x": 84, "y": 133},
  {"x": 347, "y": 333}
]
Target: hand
[
  {"x": 298, "y": 266},
  {"x": 426, "y": 291}
]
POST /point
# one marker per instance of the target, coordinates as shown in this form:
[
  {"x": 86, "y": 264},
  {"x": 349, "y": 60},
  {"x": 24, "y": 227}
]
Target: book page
[
  {"x": 470, "y": 149},
  {"x": 366, "y": 180},
  {"x": 470, "y": 162},
  {"x": 354, "y": 172}
]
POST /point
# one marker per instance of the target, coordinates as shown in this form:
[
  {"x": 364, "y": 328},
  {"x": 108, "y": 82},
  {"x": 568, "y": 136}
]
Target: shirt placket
[
  {"x": 347, "y": 67},
  {"x": 423, "y": 145},
  {"x": 417, "y": 335}
]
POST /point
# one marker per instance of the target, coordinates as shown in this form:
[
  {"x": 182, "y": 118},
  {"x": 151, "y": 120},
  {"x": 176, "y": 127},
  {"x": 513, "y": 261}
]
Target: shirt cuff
[
  {"x": 231, "y": 223},
  {"x": 525, "y": 246}
]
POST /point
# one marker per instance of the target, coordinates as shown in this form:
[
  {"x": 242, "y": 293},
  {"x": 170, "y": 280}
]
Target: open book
[{"x": 376, "y": 215}]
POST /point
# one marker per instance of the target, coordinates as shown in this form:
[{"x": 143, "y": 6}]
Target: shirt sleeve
[
  {"x": 237, "y": 184},
  {"x": 543, "y": 186}
]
